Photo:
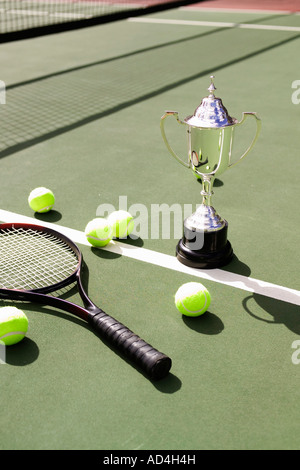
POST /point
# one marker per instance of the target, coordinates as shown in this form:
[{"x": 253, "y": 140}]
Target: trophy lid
[{"x": 211, "y": 112}]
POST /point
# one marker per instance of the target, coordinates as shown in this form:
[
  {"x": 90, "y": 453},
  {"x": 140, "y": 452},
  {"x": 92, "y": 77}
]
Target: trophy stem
[{"x": 207, "y": 192}]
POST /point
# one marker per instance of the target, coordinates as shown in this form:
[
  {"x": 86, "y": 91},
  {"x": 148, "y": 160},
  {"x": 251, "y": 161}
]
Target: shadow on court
[
  {"x": 48, "y": 106},
  {"x": 23, "y": 353},
  {"x": 273, "y": 311}
]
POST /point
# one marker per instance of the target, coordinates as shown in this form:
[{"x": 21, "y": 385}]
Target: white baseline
[
  {"x": 218, "y": 24},
  {"x": 169, "y": 262}
]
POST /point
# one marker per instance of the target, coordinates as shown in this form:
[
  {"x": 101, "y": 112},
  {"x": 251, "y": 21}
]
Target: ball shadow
[
  {"x": 133, "y": 240},
  {"x": 206, "y": 324},
  {"x": 51, "y": 216},
  {"x": 105, "y": 254},
  {"x": 23, "y": 353}
]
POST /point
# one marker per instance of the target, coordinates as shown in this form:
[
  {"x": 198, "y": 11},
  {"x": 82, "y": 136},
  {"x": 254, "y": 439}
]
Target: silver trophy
[{"x": 210, "y": 132}]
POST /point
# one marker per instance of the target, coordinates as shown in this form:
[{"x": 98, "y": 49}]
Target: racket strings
[{"x": 32, "y": 259}]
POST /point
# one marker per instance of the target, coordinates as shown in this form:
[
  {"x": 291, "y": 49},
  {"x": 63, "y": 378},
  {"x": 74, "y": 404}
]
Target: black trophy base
[{"x": 215, "y": 251}]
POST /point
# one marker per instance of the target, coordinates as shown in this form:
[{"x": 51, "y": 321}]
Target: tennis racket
[{"x": 36, "y": 261}]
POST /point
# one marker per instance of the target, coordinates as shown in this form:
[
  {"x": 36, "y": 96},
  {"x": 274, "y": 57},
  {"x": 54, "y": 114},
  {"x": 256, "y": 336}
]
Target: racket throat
[
  {"x": 93, "y": 311},
  {"x": 88, "y": 304}
]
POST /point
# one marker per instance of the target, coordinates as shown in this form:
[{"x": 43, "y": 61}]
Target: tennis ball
[
  {"x": 192, "y": 299},
  {"x": 122, "y": 223},
  {"x": 13, "y": 325},
  {"x": 98, "y": 232},
  {"x": 41, "y": 200}
]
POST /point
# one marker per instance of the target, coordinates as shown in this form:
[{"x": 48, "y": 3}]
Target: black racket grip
[{"x": 154, "y": 363}]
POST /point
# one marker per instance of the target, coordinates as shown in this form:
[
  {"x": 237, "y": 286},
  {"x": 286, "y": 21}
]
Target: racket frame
[
  {"x": 153, "y": 362},
  {"x": 40, "y": 295}
]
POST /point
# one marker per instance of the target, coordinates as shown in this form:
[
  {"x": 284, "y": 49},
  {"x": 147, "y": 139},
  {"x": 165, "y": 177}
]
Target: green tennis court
[{"x": 80, "y": 114}]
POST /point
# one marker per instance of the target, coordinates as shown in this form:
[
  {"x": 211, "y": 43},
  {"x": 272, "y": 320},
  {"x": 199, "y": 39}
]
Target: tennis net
[{"x": 42, "y": 16}]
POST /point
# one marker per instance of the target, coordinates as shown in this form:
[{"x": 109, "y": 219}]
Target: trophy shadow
[
  {"x": 218, "y": 183},
  {"x": 277, "y": 311},
  {"x": 237, "y": 266}
]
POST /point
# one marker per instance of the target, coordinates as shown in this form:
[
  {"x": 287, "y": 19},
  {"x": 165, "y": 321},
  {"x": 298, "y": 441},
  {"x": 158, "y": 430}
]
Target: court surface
[{"x": 82, "y": 117}]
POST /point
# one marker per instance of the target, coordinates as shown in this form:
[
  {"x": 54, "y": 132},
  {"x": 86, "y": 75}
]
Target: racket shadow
[
  {"x": 171, "y": 383},
  {"x": 27, "y": 350}
]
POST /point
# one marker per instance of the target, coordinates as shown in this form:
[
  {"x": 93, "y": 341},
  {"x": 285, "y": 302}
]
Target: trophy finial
[
  {"x": 211, "y": 112},
  {"x": 212, "y": 87}
]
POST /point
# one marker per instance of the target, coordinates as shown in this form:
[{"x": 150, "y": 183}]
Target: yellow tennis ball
[
  {"x": 122, "y": 223},
  {"x": 41, "y": 200},
  {"x": 192, "y": 299},
  {"x": 98, "y": 232},
  {"x": 13, "y": 325}
]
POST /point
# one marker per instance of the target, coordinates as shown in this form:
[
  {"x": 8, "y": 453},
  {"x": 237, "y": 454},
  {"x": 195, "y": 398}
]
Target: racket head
[{"x": 35, "y": 258}]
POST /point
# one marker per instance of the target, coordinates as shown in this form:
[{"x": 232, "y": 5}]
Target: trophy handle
[
  {"x": 258, "y": 127},
  {"x": 162, "y": 128}
]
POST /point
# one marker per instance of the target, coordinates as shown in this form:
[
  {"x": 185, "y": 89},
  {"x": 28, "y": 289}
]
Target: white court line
[
  {"x": 74, "y": 16},
  {"x": 219, "y": 24},
  {"x": 27, "y": 12},
  {"x": 239, "y": 10},
  {"x": 46, "y": 13},
  {"x": 170, "y": 262}
]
